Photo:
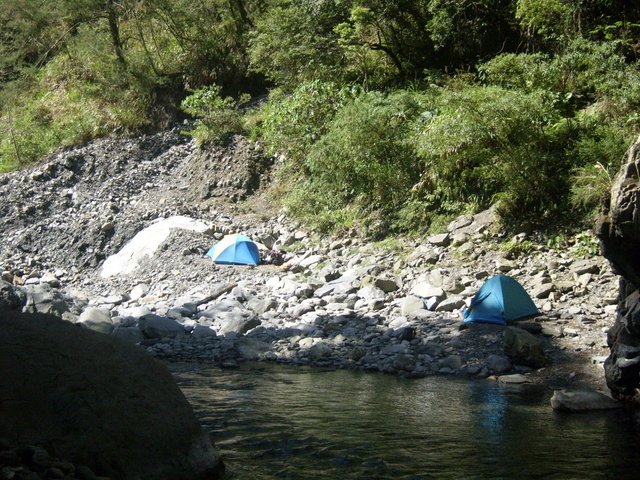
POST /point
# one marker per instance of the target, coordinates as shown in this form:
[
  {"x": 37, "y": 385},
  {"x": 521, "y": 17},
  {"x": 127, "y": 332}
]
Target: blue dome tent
[
  {"x": 501, "y": 298},
  {"x": 235, "y": 249}
]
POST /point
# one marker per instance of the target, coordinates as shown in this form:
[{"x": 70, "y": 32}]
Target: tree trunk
[{"x": 114, "y": 30}]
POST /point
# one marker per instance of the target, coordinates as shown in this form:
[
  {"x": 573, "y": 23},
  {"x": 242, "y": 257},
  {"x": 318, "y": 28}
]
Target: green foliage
[
  {"x": 590, "y": 184},
  {"x": 584, "y": 245},
  {"x": 584, "y": 72},
  {"x": 484, "y": 143},
  {"x": 216, "y": 116},
  {"x": 597, "y": 156},
  {"x": 517, "y": 247},
  {"x": 291, "y": 124},
  {"x": 73, "y": 99},
  {"x": 463, "y": 31},
  {"x": 363, "y": 164},
  {"x": 553, "y": 20},
  {"x": 293, "y": 42}
]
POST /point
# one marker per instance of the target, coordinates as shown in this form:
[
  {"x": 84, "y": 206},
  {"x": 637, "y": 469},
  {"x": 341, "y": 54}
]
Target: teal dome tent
[
  {"x": 500, "y": 299},
  {"x": 235, "y": 249}
]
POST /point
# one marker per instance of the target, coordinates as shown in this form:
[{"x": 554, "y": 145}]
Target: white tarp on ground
[{"x": 145, "y": 243}]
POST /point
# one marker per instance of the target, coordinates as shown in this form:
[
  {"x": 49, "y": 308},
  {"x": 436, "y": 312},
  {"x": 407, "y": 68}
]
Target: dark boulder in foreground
[
  {"x": 98, "y": 402},
  {"x": 619, "y": 233}
]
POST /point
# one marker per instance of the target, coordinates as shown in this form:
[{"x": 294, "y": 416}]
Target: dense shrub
[
  {"x": 73, "y": 99},
  {"x": 583, "y": 73},
  {"x": 216, "y": 116},
  {"x": 482, "y": 144},
  {"x": 293, "y": 43},
  {"x": 291, "y": 124},
  {"x": 365, "y": 163},
  {"x": 597, "y": 155}
]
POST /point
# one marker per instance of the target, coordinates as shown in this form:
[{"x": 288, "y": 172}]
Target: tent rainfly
[
  {"x": 500, "y": 299},
  {"x": 235, "y": 249}
]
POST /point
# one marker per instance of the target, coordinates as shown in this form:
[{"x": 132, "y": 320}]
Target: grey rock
[
  {"x": 328, "y": 273},
  {"x": 51, "y": 279},
  {"x": 450, "y": 304},
  {"x": 131, "y": 335},
  {"x": 404, "y": 362},
  {"x": 515, "y": 378},
  {"x": 394, "y": 349},
  {"x": 440, "y": 240},
  {"x": 156, "y": 326},
  {"x": 432, "y": 303},
  {"x": 370, "y": 292},
  {"x": 306, "y": 306},
  {"x": 135, "y": 312},
  {"x": 97, "y": 319},
  {"x": 503, "y": 265},
  {"x": 452, "y": 286},
  {"x": 387, "y": 285},
  {"x": 405, "y": 333},
  {"x": 459, "y": 238},
  {"x": 410, "y": 305},
  {"x": 232, "y": 322},
  {"x": 311, "y": 260},
  {"x": 423, "y": 254},
  {"x": 543, "y": 290},
  {"x": 139, "y": 291},
  {"x": 584, "y": 266},
  {"x": 460, "y": 222},
  {"x": 325, "y": 290},
  {"x": 178, "y": 313},
  {"x": 261, "y": 305},
  {"x": 252, "y": 349},
  {"x": 498, "y": 364},
  {"x": 523, "y": 348},
  {"x": 224, "y": 306},
  {"x": 45, "y": 299},
  {"x": 432, "y": 349},
  {"x": 426, "y": 290},
  {"x": 203, "y": 331},
  {"x": 555, "y": 331},
  {"x": 453, "y": 362},
  {"x": 581, "y": 401},
  {"x": 320, "y": 350},
  {"x": 357, "y": 353},
  {"x": 531, "y": 327}
]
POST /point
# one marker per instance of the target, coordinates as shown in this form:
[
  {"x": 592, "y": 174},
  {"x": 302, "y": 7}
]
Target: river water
[{"x": 276, "y": 422}]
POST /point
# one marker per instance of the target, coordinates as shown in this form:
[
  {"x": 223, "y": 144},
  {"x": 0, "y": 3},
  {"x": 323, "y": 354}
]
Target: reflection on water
[{"x": 273, "y": 422}]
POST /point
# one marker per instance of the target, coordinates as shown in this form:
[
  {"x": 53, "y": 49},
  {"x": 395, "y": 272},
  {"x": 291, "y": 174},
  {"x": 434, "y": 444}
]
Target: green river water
[{"x": 275, "y": 422}]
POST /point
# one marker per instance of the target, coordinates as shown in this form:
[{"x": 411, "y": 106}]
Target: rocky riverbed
[{"x": 393, "y": 307}]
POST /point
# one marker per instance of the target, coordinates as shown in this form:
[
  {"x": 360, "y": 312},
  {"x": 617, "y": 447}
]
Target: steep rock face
[
  {"x": 619, "y": 232},
  {"x": 97, "y": 402}
]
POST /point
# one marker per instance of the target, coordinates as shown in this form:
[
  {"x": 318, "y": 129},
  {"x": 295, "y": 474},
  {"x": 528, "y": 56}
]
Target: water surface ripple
[{"x": 274, "y": 422}]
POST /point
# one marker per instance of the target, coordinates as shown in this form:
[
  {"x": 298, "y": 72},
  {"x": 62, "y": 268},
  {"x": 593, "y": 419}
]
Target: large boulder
[
  {"x": 96, "y": 401},
  {"x": 146, "y": 243},
  {"x": 523, "y": 348},
  {"x": 619, "y": 231}
]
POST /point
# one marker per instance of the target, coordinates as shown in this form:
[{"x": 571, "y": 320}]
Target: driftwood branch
[{"x": 220, "y": 291}]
